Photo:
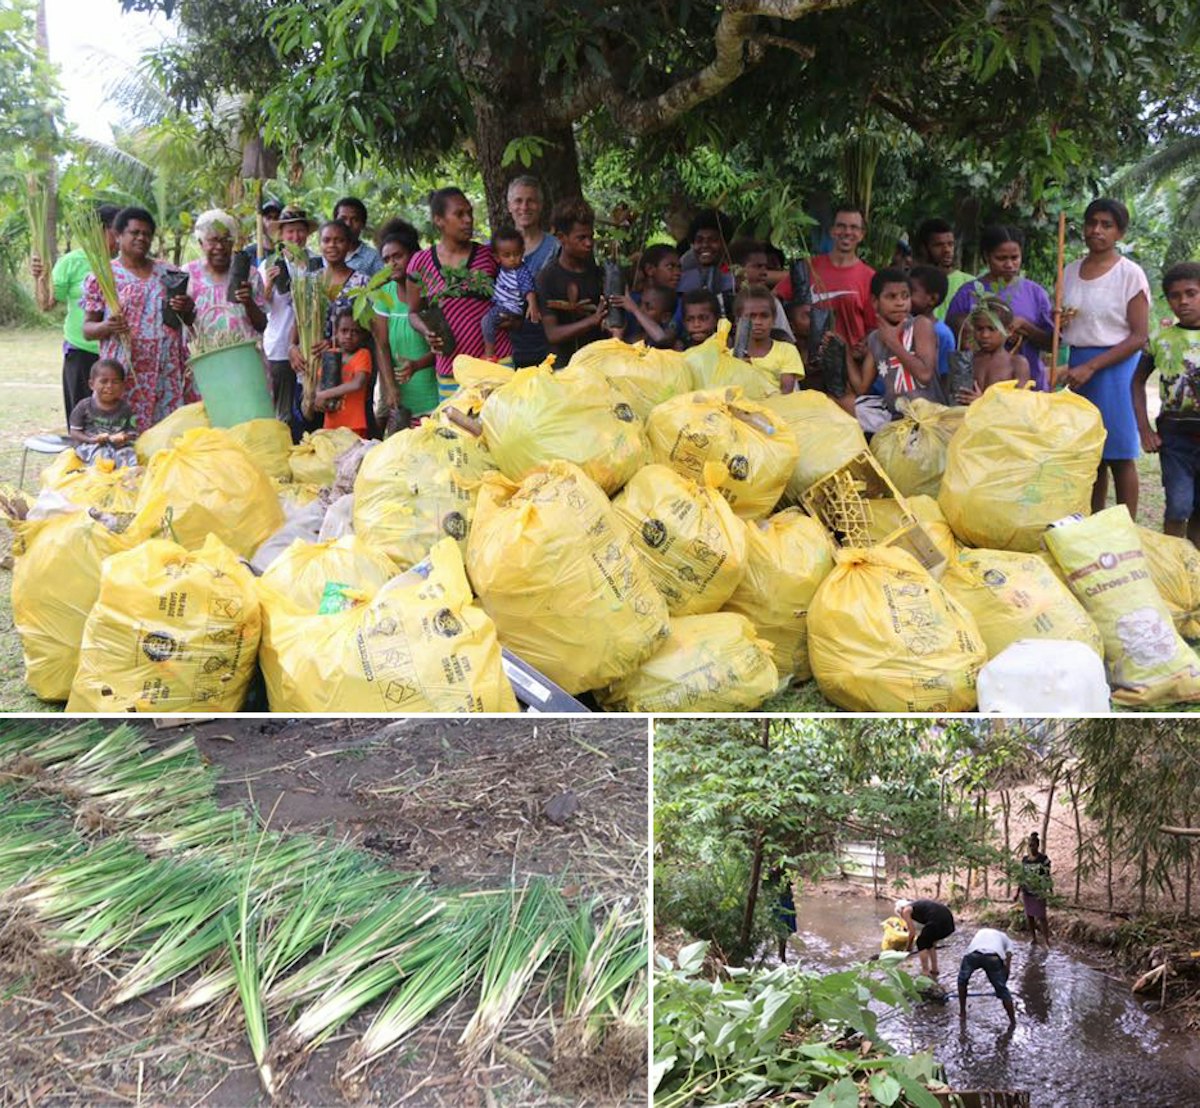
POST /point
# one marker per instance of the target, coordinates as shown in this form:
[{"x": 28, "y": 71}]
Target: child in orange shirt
[{"x": 345, "y": 405}]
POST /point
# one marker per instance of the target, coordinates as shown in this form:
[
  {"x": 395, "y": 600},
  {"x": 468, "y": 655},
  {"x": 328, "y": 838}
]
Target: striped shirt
[{"x": 463, "y": 314}]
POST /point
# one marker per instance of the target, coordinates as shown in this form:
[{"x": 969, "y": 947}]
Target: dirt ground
[{"x": 461, "y": 800}]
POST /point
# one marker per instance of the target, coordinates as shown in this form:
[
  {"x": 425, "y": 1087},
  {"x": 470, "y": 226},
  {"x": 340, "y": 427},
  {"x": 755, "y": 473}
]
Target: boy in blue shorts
[{"x": 1175, "y": 353}]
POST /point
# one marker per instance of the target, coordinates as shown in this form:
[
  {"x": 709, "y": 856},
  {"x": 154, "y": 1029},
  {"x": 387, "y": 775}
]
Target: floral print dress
[{"x": 214, "y": 313}]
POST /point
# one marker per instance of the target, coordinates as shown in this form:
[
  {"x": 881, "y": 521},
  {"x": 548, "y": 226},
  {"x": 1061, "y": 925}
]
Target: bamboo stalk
[
  {"x": 1058, "y": 298},
  {"x": 37, "y": 206}
]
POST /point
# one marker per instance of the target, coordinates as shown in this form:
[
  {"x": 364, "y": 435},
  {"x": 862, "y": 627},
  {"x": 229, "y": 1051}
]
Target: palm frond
[{"x": 1176, "y": 154}]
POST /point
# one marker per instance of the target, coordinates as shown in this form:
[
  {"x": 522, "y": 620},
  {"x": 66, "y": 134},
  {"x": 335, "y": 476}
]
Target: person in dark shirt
[
  {"x": 570, "y": 288},
  {"x": 102, "y": 425},
  {"x": 1035, "y": 885},
  {"x": 935, "y": 921}
]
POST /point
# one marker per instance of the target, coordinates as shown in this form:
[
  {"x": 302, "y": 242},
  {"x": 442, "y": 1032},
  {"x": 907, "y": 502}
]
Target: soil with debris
[{"x": 470, "y": 803}]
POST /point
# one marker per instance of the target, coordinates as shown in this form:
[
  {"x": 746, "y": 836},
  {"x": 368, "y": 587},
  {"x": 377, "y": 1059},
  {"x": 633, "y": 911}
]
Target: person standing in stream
[
  {"x": 936, "y": 922},
  {"x": 1035, "y": 884}
]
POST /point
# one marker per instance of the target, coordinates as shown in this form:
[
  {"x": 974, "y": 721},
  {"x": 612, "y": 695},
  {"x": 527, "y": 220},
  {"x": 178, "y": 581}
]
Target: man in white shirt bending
[{"x": 990, "y": 951}]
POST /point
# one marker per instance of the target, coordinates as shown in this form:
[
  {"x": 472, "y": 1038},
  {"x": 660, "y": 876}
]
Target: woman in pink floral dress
[{"x": 208, "y": 282}]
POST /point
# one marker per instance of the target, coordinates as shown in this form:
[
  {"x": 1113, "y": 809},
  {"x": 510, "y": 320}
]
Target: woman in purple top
[{"x": 1033, "y": 315}]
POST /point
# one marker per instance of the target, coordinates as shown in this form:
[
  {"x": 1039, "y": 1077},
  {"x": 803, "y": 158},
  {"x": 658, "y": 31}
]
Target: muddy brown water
[{"x": 1082, "y": 1039}]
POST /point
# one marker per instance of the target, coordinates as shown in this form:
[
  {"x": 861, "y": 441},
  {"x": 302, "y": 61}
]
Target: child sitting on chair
[{"x": 102, "y": 425}]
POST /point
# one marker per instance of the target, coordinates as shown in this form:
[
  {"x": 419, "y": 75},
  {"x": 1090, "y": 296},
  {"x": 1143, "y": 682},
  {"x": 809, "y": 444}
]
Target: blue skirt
[{"x": 1110, "y": 390}]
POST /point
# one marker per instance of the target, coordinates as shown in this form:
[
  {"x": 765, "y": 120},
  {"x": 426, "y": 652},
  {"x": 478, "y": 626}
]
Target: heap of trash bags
[{"x": 662, "y": 531}]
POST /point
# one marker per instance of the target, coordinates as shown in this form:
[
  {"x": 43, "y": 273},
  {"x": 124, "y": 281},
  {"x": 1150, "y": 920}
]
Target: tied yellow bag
[
  {"x": 313, "y": 460},
  {"x": 303, "y": 570},
  {"x": 883, "y": 636},
  {"x": 789, "y": 555},
  {"x": 1175, "y": 569},
  {"x": 643, "y": 375},
  {"x": 210, "y": 485},
  {"x": 93, "y": 486},
  {"x": 895, "y": 934},
  {"x": 420, "y": 644},
  {"x": 1017, "y": 596},
  {"x": 709, "y": 663},
  {"x": 754, "y": 445},
  {"x": 912, "y": 449},
  {"x": 56, "y": 578},
  {"x": 417, "y": 487},
  {"x": 172, "y": 630},
  {"x": 1147, "y": 662},
  {"x": 268, "y": 442},
  {"x": 692, "y": 543},
  {"x": 541, "y": 416},
  {"x": 1021, "y": 460},
  {"x": 831, "y": 436},
  {"x": 166, "y": 432},
  {"x": 713, "y": 366},
  {"x": 552, "y": 566}
]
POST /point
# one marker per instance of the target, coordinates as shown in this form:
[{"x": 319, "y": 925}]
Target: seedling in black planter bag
[{"x": 459, "y": 283}]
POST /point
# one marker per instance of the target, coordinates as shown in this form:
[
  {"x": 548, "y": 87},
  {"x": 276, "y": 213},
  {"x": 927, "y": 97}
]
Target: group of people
[{"x": 868, "y": 338}]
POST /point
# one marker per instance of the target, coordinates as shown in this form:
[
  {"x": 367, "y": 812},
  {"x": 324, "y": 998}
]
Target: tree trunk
[
  {"x": 1074, "y": 794},
  {"x": 1049, "y": 804},
  {"x": 752, "y": 892},
  {"x": 1006, "y": 808}
]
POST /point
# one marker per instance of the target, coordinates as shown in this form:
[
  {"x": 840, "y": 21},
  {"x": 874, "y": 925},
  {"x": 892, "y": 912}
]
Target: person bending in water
[
  {"x": 936, "y": 922},
  {"x": 990, "y": 951}
]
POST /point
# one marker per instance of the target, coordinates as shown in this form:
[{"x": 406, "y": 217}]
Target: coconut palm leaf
[{"x": 1179, "y": 153}]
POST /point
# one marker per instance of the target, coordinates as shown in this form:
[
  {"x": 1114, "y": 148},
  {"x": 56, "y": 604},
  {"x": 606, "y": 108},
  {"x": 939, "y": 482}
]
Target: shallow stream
[{"x": 1082, "y": 1039}]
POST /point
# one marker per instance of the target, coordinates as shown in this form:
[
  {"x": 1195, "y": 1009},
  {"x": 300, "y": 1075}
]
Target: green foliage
[{"x": 737, "y": 1039}]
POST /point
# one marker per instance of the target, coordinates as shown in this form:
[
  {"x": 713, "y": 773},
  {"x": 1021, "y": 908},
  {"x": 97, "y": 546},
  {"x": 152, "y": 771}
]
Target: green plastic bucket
[{"x": 233, "y": 384}]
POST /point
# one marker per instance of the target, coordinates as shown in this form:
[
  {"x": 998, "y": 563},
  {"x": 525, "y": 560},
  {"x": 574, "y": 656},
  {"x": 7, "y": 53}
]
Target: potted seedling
[{"x": 459, "y": 282}]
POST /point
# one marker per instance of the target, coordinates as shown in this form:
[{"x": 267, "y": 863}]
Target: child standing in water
[
  {"x": 102, "y": 425},
  {"x": 345, "y": 405},
  {"x": 756, "y": 303}
]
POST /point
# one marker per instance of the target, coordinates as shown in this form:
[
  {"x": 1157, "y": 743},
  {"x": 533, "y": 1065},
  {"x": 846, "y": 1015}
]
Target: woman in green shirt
[
  {"x": 403, "y": 352},
  {"x": 67, "y": 277}
]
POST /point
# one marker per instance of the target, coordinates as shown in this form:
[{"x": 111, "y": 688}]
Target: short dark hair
[
  {"x": 666, "y": 295},
  {"x": 127, "y": 215},
  {"x": 753, "y": 292},
  {"x": 1115, "y": 208},
  {"x": 354, "y": 204},
  {"x": 702, "y": 296},
  {"x": 930, "y": 227},
  {"x": 107, "y": 363},
  {"x": 654, "y": 255},
  {"x": 993, "y": 237},
  {"x": 849, "y": 206},
  {"x": 743, "y": 248},
  {"x": 711, "y": 219},
  {"x": 345, "y": 313},
  {"x": 339, "y": 225},
  {"x": 401, "y": 231},
  {"x": 884, "y": 277},
  {"x": 1180, "y": 271},
  {"x": 107, "y": 213},
  {"x": 569, "y": 211},
  {"x": 932, "y": 279},
  {"x": 439, "y": 198},
  {"x": 507, "y": 233}
]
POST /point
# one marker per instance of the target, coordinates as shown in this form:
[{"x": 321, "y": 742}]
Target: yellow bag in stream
[
  {"x": 644, "y": 375},
  {"x": 56, "y": 578},
  {"x": 268, "y": 442},
  {"x": 692, "y": 543},
  {"x": 418, "y": 487},
  {"x": 755, "y": 446},
  {"x": 172, "y": 630},
  {"x": 883, "y": 636},
  {"x": 827, "y": 434},
  {"x": 211, "y": 485},
  {"x": 912, "y": 449},
  {"x": 790, "y": 554},
  {"x": 895, "y": 934},
  {"x": 552, "y": 566},
  {"x": 166, "y": 432},
  {"x": 1175, "y": 569},
  {"x": 1016, "y": 596},
  {"x": 709, "y": 663},
  {"x": 713, "y": 366},
  {"x": 93, "y": 486},
  {"x": 1021, "y": 460},
  {"x": 542, "y": 416},
  {"x": 419, "y": 644},
  {"x": 304, "y": 570},
  {"x": 313, "y": 460},
  {"x": 1147, "y": 662}
]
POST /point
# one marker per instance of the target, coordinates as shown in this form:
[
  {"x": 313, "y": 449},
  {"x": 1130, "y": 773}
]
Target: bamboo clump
[
  {"x": 88, "y": 232},
  {"x": 37, "y": 206},
  {"x": 309, "y": 300}
]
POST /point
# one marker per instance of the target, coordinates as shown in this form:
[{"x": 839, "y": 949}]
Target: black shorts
[{"x": 934, "y": 932}]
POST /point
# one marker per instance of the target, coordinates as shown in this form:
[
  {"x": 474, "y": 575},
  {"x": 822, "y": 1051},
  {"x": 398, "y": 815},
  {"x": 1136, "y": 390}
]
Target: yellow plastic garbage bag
[
  {"x": 418, "y": 487},
  {"x": 56, "y": 578},
  {"x": 1175, "y": 569},
  {"x": 166, "y": 431},
  {"x": 755, "y": 446},
  {"x": 887, "y": 515},
  {"x": 1021, "y": 460},
  {"x": 790, "y": 554},
  {"x": 1147, "y": 662},
  {"x": 689, "y": 537},
  {"x": 268, "y": 442},
  {"x": 211, "y": 485},
  {"x": 709, "y": 663},
  {"x": 883, "y": 636},
  {"x": 474, "y": 373},
  {"x": 895, "y": 934},
  {"x": 304, "y": 570},
  {"x": 1016, "y": 596},
  {"x": 912, "y": 449},
  {"x": 713, "y": 366},
  {"x": 828, "y": 436},
  {"x": 541, "y": 416},
  {"x": 93, "y": 486},
  {"x": 419, "y": 644},
  {"x": 552, "y": 566},
  {"x": 293, "y": 496},
  {"x": 313, "y": 459},
  {"x": 643, "y": 375},
  {"x": 172, "y": 630}
]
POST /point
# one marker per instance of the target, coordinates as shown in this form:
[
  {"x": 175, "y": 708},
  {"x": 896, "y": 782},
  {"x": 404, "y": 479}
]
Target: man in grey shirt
[{"x": 990, "y": 951}]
